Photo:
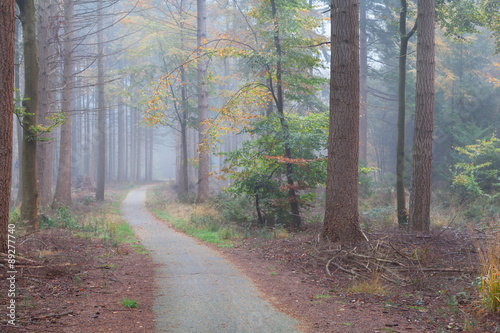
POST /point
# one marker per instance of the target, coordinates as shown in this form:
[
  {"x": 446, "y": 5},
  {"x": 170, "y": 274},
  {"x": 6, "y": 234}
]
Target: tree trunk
[
  {"x": 7, "y": 50},
  {"x": 363, "y": 85},
  {"x": 400, "y": 149},
  {"x": 292, "y": 196},
  {"x": 121, "y": 142},
  {"x": 62, "y": 195},
  {"x": 184, "y": 184},
  {"x": 204, "y": 159},
  {"x": 341, "y": 216},
  {"x": 101, "y": 109},
  {"x": 19, "y": 129},
  {"x": 421, "y": 173},
  {"x": 29, "y": 207},
  {"x": 138, "y": 160},
  {"x": 46, "y": 100}
]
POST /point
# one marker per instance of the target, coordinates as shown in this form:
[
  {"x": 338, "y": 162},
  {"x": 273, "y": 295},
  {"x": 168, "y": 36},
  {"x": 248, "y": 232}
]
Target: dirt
[
  {"x": 434, "y": 295},
  {"x": 74, "y": 284}
]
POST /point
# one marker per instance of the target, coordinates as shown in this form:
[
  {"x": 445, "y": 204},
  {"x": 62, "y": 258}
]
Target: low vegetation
[
  {"x": 78, "y": 268},
  {"x": 457, "y": 263}
]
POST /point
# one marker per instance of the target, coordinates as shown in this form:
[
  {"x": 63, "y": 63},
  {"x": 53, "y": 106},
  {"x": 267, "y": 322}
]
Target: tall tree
[
  {"x": 46, "y": 99},
  {"x": 7, "y": 47},
  {"x": 204, "y": 158},
  {"x": 62, "y": 194},
  {"x": 341, "y": 222},
  {"x": 29, "y": 207},
  {"x": 101, "y": 109},
  {"x": 420, "y": 194},
  {"x": 279, "y": 99},
  {"x": 363, "y": 84},
  {"x": 400, "y": 149}
]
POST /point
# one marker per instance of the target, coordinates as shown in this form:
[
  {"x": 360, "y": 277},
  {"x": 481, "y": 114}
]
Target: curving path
[{"x": 197, "y": 290}]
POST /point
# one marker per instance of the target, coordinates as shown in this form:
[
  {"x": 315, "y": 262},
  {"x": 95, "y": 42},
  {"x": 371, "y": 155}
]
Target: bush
[{"x": 479, "y": 172}]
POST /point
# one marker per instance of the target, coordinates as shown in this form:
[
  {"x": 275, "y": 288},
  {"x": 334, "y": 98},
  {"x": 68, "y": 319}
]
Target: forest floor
[
  {"x": 393, "y": 283},
  {"x": 72, "y": 280},
  {"x": 376, "y": 287}
]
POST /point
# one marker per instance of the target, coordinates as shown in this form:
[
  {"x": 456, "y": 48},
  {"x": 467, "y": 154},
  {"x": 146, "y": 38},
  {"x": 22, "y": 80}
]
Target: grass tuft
[
  {"x": 489, "y": 286},
  {"x": 129, "y": 303}
]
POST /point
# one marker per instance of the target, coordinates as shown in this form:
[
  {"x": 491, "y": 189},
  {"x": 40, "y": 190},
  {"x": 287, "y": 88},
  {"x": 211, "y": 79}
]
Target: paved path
[{"x": 198, "y": 290}]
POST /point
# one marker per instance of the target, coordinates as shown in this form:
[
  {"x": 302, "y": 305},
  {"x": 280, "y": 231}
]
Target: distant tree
[
  {"x": 204, "y": 158},
  {"x": 420, "y": 194},
  {"x": 62, "y": 194},
  {"x": 101, "y": 108},
  {"x": 7, "y": 47},
  {"x": 29, "y": 207},
  {"x": 341, "y": 222}
]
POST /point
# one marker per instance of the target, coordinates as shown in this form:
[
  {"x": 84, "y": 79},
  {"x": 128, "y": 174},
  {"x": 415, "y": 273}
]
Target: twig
[
  {"x": 18, "y": 258},
  {"x": 341, "y": 268},
  {"x": 52, "y": 315},
  {"x": 430, "y": 269}
]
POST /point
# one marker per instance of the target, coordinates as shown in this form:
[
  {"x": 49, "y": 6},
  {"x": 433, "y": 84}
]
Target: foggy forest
[{"x": 250, "y": 165}]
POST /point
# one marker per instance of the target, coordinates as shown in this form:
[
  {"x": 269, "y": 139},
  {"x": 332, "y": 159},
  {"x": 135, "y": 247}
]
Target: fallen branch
[{"x": 52, "y": 315}]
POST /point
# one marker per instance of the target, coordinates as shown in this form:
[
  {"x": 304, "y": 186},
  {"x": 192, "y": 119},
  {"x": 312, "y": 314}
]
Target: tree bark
[
  {"x": 101, "y": 109},
  {"x": 7, "y": 50},
  {"x": 341, "y": 222},
  {"x": 204, "y": 159},
  {"x": 400, "y": 148},
  {"x": 420, "y": 194},
  {"x": 62, "y": 195},
  {"x": 29, "y": 207},
  {"x": 46, "y": 100},
  {"x": 363, "y": 69}
]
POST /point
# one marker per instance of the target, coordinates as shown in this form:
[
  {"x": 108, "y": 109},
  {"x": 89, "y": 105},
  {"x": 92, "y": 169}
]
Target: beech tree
[
  {"x": 341, "y": 223},
  {"x": 7, "y": 47},
  {"x": 420, "y": 194}
]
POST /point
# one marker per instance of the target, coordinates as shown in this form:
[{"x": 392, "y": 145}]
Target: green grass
[
  {"x": 129, "y": 303},
  {"x": 217, "y": 237}
]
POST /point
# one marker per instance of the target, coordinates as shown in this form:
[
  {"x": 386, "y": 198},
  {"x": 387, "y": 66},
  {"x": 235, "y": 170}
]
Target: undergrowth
[
  {"x": 489, "y": 286},
  {"x": 220, "y": 221},
  {"x": 87, "y": 218}
]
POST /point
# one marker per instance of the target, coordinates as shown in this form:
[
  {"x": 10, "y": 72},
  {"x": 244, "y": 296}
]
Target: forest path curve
[{"x": 197, "y": 290}]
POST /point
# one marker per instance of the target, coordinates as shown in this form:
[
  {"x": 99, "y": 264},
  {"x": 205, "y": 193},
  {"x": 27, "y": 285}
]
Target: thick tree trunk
[
  {"x": 420, "y": 194},
  {"x": 363, "y": 84},
  {"x": 341, "y": 216},
  {"x": 7, "y": 49},
  {"x": 101, "y": 109},
  {"x": 400, "y": 149},
  {"x": 292, "y": 195},
  {"x": 29, "y": 207},
  {"x": 204, "y": 159},
  {"x": 62, "y": 195},
  {"x": 46, "y": 100}
]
